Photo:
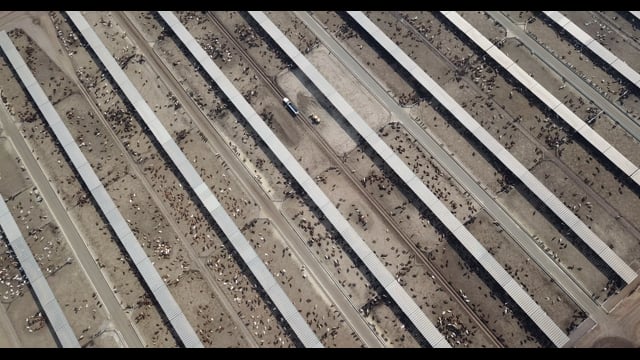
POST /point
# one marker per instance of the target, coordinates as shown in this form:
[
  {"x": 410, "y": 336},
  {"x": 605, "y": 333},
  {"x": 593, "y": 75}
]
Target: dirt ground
[{"x": 216, "y": 292}]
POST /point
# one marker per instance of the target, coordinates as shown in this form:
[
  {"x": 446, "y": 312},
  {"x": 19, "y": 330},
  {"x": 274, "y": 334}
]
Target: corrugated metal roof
[
  {"x": 520, "y": 297},
  {"x": 537, "y": 187},
  {"x": 553, "y": 332},
  {"x": 591, "y": 239},
  {"x": 50, "y": 114},
  {"x": 487, "y": 140},
  {"x": 8, "y": 48},
  {"x": 500, "y": 57},
  {"x": 234, "y": 95},
  {"x": 399, "y": 167},
  {"x": 262, "y": 274},
  {"x": 213, "y": 71},
  {"x": 464, "y": 26},
  {"x": 4, "y": 210},
  {"x": 25, "y": 74},
  {"x": 544, "y": 95},
  {"x": 127, "y": 87},
  {"x": 259, "y": 17},
  {"x": 626, "y": 273},
  {"x": 623, "y": 163},
  {"x": 103, "y": 199},
  {"x": 604, "y": 54},
  {"x": 289, "y": 162},
  {"x": 381, "y": 273},
  {"x": 355, "y": 241},
  {"x": 54, "y": 315},
  {"x": 37, "y": 95},
  {"x": 170, "y": 307},
  {"x": 135, "y": 251},
  {"x": 336, "y": 219},
  {"x": 401, "y": 56},
  {"x": 118, "y": 222},
  {"x": 494, "y": 268},
  {"x": 598, "y": 49},
  {"x": 557, "y": 17},
  {"x": 156, "y": 128},
  {"x": 118, "y": 76},
  {"x": 60, "y": 130},
  {"x": 422, "y": 192},
  {"x": 297, "y": 323},
  {"x": 67, "y": 338},
  {"x": 9, "y": 227},
  {"x": 20, "y": 248},
  {"x": 78, "y": 20},
  {"x": 419, "y": 319},
  {"x": 579, "y": 34},
  {"x": 394, "y": 162},
  {"x": 301, "y": 176},
  {"x": 473, "y": 247},
  {"x": 563, "y": 212},
  {"x": 318, "y": 197},
  {"x": 285, "y": 307},
  {"x": 381, "y": 148},
  {"x": 151, "y": 276},
  {"x": 224, "y": 221},
  {"x": 288, "y": 48},
  {"x": 255, "y": 120},
  {"x": 32, "y": 270},
  {"x": 401, "y": 298},
  {"x": 175, "y": 154},
  {"x": 482, "y": 42},
  {"x": 202, "y": 191},
  {"x": 43, "y": 292},
  {"x": 191, "y": 175},
  {"x": 304, "y": 66},
  {"x": 496, "y": 148},
  {"x": 463, "y": 116},
  {"x": 244, "y": 107},
  {"x": 594, "y": 138},
  {"x": 75, "y": 155},
  {"x": 34, "y": 276},
  {"x": 445, "y": 216},
  {"x": 210, "y": 202},
  {"x": 198, "y": 53},
  {"x": 243, "y": 247},
  {"x": 87, "y": 175},
  {"x": 512, "y": 163},
  {"x": 188, "y": 336},
  {"x": 626, "y": 70}
]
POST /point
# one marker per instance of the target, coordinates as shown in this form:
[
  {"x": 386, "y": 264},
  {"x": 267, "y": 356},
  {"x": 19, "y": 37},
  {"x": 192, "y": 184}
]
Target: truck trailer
[{"x": 290, "y": 106}]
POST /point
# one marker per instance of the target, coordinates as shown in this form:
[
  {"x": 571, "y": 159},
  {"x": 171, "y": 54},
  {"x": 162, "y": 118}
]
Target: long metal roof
[
  {"x": 347, "y": 232},
  {"x": 399, "y": 167},
  {"x": 597, "y": 141},
  {"x": 56, "y": 318},
  {"x": 464, "y": 236},
  {"x": 593, "y": 45},
  {"x": 104, "y": 201},
  {"x": 576, "y": 225},
  {"x": 636, "y": 14},
  {"x": 247, "y": 253}
]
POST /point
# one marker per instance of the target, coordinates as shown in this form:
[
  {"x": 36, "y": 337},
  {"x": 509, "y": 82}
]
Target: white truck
[{"x": 290, "y": 106}]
